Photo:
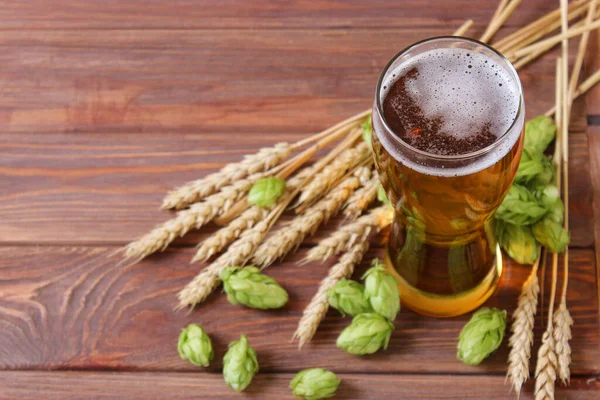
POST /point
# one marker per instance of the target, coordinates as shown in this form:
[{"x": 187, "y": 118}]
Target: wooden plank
[
  {"x": 74, "y": 308},
  {"x": 592, "y": 65},
  {"x": 285, "y": 80},
  {"x": 140, "y": 385},
  {"x": 202, "y": 14},
  {"x": 594, "y": 139},
  {"x": 106, "y": 189}
]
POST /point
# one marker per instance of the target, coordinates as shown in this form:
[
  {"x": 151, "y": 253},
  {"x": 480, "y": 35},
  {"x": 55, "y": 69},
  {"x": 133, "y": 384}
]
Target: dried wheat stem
[
  {"x": 547, "y": 43},
  {"x": 499, "y": 19},
  {"x": 331, "y": 174},
  {"x": 538, "y": 28},
  {"x": 197, "y": 190},
  {"x": 291, "y": 236},
  {"x": 581, "y": 53},
  {"x": 317, "y": 308},
  {"x": 192, "y": 218},
  {"x": 521, "y": 340},
  {"x": 349, "y": 234},
  {"x": 463, "y": 28},
  {"x": 362, "y": 198},
  {"x": 486, "y": 35},
  {"x": 229, "y": 233},
  {"x": 586, "y": 85}
]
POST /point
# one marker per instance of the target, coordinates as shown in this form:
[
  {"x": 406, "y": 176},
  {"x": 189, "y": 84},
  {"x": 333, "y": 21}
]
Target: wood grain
[
  {"x": 106, "y": 385},
  {"x": 167, "y": 81},
  {"x": 594, "y": 148},
  {"x": 74, "y": 308},
  {"x": 106, "y": 189},
  {"x": 202, "y": 14}
]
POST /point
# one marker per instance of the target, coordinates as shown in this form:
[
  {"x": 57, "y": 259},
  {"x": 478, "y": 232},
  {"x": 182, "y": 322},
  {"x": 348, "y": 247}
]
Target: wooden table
[{"x": 104, "y": 106}]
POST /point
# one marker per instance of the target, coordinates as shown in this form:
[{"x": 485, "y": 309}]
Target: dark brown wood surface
[{"x": 104, "y": 106}]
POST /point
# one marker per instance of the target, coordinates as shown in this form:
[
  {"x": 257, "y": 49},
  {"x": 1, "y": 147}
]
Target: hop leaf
[
  {"x": 348, "y": 297},
  {"x": 381, "y": 290},
  {"x": 367, "y": 130},
  {"x": 253, "y": 289},
  {"x": 530, "y": 167},
  {"x": 315, "y": 384},
  {"x": 539, "y": 133},
  {"x": 239, "y": 364},
  {"x": 518, "y": 242},
  {"x": 366, "y": 334},
  {"x": 520, "y": 207},
  {"x": 266, "y": 191},
  {"x": 481, "y": 336},
  {"x": 551, "y": 234},
  {"x": 195, "y": 346}
]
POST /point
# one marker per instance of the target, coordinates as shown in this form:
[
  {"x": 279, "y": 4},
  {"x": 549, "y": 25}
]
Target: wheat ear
[
  {"x": 197, "y": 190},
  {"x": 229, "y": 233},
  {"x": 351, "y": 233},
  {"x": 562, "y": 334},
  {"x": 236, "y": 255},
  {"x": 333, "y": 172},
  {"x": 521, "y": 339},
  {"x": 290, "y": 237},
  {"x": 317, "y": 308},
  {"x": 194, "y": 217},
  {"x": 362, "y": 198}
]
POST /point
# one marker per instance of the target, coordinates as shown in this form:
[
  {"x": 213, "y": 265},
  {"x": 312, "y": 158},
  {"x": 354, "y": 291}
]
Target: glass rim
[{"x": 464, "y": 156}]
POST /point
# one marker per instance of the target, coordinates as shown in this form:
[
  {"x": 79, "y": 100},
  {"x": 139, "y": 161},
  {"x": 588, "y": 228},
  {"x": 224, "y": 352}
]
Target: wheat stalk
[
  {"x": 317, "y": 308},
  {"x": 290, "y": 237},
  {"x": 347, "y": 235},
  {"x": 333, "y": 172},
  {"x": 362, "y": 198},
  {"x": 236, "y": 255},
  {"x": 521, "y": 339},
  {"x": 229, "y": 233},
  {"x": 194, "y": 217},
  {"x": 197, "y": 190}
]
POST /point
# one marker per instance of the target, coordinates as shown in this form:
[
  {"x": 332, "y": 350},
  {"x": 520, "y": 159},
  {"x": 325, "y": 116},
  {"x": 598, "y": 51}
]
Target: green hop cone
[
  {"x": 266, "y": 191},
  {"x": 195, "y": 346},
  {"x": 548, "y": 174},
  {"x": 366, "y": 334},
  {"x": 551, "y": 234},
  {"x": 529, "y": 168},
  {"x": 348, "y": 297},
  {"x": 381, "y": 290},
  {"x": 481, "y": 336},
  {"x": 549, "y": 197},
  {"x": 518, "y": 242},
  {"x": 248, "y": 286},
  {"x": 315, "y": 384},
  {"x": 520, "y": 207},
  {"x": 539, "y": 133},
  {"x": 239, "y": 364}
]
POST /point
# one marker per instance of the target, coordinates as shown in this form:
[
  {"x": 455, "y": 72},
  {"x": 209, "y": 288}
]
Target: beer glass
[{"x": 447, "y": 138}]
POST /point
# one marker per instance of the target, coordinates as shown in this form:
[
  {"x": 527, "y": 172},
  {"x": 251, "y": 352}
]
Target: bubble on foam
[
  {"x": 495, "y": 97},
  {"x": 446, "y": 88}
]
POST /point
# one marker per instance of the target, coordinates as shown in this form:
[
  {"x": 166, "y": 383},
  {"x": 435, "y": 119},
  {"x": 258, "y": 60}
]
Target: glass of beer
[{"x": 448, "y": 134}]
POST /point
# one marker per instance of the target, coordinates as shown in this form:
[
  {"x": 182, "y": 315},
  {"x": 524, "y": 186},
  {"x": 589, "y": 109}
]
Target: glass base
[{"x": 441, "y": 306}]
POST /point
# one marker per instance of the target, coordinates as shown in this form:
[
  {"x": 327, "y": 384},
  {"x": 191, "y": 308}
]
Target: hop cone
[
  {"x": 481, "y": 336},
  {"x": 381, "y": 290},
  {"x": 252, "y": 289},
  {"x": 315, "y": 384},
  {"x": 348, "y": 297},
  {"x": 239, "y": 364},
  {"x": 366, "y": 334},
  {"x": 195, "y": 346}
]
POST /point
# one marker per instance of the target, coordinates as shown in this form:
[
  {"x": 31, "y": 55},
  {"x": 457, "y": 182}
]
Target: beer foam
[{"x": 467, "y": 90}]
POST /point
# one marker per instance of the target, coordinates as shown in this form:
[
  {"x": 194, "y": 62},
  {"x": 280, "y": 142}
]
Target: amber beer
[{"x": 448, "y": 120}]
